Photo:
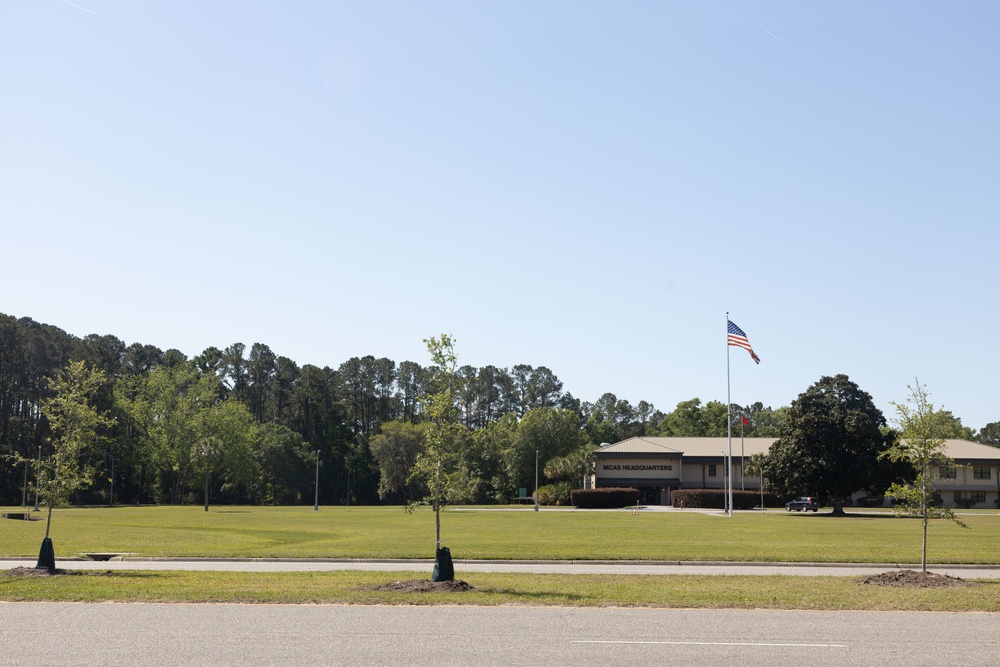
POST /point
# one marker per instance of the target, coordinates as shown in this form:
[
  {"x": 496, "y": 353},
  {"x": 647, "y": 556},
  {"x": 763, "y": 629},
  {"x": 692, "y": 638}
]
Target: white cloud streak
[
  {"x": 764, "y": 29},
  {"x": 95, "y": 13}
]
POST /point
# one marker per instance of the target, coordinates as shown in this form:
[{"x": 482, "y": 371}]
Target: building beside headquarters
[{"x": 656, "y": 466}]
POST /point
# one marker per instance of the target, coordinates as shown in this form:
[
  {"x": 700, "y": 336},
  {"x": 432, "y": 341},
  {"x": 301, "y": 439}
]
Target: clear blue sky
[{"x": 588, "y": 186}]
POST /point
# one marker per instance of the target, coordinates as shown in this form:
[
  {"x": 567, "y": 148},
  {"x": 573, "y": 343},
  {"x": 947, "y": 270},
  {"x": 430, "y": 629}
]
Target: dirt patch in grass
[
  {"x": 427, "y": 586},
  {"x": 43, "y": 572},
  {"x": 914, "y": 579}
]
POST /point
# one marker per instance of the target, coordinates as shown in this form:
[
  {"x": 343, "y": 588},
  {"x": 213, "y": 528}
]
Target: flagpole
[{"x": 729, "y": 425}]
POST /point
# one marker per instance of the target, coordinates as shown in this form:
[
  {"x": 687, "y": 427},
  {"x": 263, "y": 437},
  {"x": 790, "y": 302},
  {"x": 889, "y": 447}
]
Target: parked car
[{"x": 803, "y": 504}]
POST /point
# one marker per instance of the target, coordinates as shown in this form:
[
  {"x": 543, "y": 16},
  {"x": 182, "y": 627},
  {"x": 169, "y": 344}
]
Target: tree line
[{"x": 246, "y": 425}]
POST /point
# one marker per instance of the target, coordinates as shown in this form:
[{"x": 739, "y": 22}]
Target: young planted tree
[
  {"x": 76, "y": 425},
  {"x": 439, "y": 466},
  {"x": 921, "y": 446}
]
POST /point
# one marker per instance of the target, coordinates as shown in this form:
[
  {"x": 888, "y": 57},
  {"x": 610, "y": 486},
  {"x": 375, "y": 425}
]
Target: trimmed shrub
[
  {"x": 555, "y": 494},
  {"x": 604, "y": 498},
  {"x": 964, "y": 503},
  {"x": 716, "y": 499}
]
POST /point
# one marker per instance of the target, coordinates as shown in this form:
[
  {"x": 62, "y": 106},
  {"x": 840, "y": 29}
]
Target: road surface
[{"x": 40, "y": 634}]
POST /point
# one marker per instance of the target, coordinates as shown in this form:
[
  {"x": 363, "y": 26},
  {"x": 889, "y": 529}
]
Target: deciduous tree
[
  {"x": 163, "y": 408},
  {"x": 551, "y": 432},
  {"x": 923, "y": 430},
  {"x": 831, "y": 444},
  {"x": 285, "y": 463},
  {"x": 439, "y": 466},
  {"x": 226, "y": 434},
  {"x": 76, "y": 426},
  {"x": 396, "y": 450}
]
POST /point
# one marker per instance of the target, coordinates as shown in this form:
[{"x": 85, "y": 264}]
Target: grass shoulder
[{"x": 655, "y": 591}]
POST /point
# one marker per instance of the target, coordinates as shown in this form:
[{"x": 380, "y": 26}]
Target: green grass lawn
[
  {"x": 388, "y": 532},
  {"x": 688, "y": 591}
]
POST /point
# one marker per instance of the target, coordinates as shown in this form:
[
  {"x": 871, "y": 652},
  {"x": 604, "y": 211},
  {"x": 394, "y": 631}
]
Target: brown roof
[
  {"x": 960, "y": 450},
  {"x": 964, "y": 450}
]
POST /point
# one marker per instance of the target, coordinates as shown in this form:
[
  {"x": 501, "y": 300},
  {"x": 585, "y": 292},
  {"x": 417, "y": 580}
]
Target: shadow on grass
[
  {"x": 541, "y": 595},
  {"x": 851, "y": 515},
  {"x": 19, "y": 573}
]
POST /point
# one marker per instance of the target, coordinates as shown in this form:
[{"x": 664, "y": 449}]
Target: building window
[
  {"x": 958, "y": 497},
  {"x": 711, "y": 470},
  {"x": 981, "y": 472},
  {"x": 979, "y": 496},
  {"x": 947, "y": 472}
]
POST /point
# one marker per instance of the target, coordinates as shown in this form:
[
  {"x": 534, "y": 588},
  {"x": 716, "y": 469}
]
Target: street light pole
[
  {"x": 762, "y": 488},
  {"x": 38, "y": 477},
  {"x": 111, "y": 495},
  {"x": 536, "y": 480},
  {"x": 316, "y": 504}
]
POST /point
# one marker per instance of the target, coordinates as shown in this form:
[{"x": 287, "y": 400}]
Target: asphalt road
[
  {"x": 560, "y": 567},
  {"x": 41, "y": 634}
]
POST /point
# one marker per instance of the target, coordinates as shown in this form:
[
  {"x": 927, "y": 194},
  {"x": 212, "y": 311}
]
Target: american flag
[{"x": 738, "y": 338}]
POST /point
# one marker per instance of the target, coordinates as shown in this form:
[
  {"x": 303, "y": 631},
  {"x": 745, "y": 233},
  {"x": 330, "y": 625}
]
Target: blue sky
[{"x": 588, "y": 186}]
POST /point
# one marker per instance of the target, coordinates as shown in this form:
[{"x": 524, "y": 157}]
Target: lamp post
[
  {"x": 38, "y": 477},
  {"x": 762, "y": 488},
  {"x": 536, "y": 480},
  {"x": 316, "y": 504},
  {"x": 111, "y": 494}
]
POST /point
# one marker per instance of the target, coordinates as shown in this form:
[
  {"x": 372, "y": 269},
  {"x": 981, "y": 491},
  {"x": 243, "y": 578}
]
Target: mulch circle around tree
[
  {"x": 914, "y": 579},
  {"x": 427, "y": 586},
  {"x": 43, "y": 572}
]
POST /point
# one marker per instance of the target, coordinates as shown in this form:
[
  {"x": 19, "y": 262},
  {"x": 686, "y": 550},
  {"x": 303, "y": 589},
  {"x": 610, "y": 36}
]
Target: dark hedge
[
  {"x": 716, "y": 499},
  {"x": 605, "y": 498}
]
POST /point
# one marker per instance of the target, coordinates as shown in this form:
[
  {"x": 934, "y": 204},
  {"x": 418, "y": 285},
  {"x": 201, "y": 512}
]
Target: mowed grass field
[{"x": 494, "y": 534}]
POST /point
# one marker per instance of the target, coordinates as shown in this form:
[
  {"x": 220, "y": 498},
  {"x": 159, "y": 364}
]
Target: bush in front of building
[
  {"x": 555, "y": 494},
  {"x": 716, "y": 499},
  {"x": 604, "y": 498}
]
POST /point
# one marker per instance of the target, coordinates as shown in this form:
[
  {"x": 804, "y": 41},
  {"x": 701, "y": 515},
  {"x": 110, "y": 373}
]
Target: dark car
[{"x": 803, "y": 504}]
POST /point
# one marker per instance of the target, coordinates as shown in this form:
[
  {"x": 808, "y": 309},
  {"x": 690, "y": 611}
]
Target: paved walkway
[{"x": 539, "y": 567}]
